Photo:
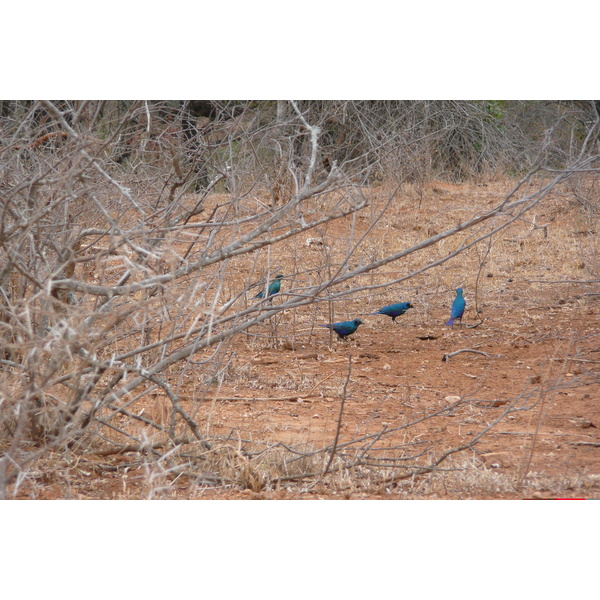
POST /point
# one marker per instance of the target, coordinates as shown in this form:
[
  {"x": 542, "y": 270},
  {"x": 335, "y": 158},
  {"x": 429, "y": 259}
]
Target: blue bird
[
  {"x": 458, "y": 308},
  {"x": 344, "y": 328},
  {"x": 394, "y": 310},
  {"x": 274, "y": 287}
]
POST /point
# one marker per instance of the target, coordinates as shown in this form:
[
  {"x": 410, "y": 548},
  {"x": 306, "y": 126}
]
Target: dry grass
[{"x": 269, "y": 399}]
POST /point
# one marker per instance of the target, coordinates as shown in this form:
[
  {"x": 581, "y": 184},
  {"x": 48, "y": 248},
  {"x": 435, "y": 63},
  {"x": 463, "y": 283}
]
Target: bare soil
[{"x": 534, "y": 344}]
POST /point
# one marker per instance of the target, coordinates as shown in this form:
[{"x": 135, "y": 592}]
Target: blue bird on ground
[
  {"x": 274, "y": 287},
  {"x": 394, "y": 310},
  {"x": 344, "y": 328},
  {"x": 458, "y": 308}
]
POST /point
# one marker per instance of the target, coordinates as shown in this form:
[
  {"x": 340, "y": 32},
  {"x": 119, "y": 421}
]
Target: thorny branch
[{"x": 100, "y": 306}]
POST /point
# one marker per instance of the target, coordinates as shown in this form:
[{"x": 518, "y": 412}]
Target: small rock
[
  {"x": 452, "y": 398},
  {"x": 314, "y": 242}
]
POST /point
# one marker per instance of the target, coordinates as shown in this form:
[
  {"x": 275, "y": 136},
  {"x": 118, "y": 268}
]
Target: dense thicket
[{"x": 370, "y": 139}]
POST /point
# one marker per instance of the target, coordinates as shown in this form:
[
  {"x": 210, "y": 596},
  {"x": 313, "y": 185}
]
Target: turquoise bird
[
  {"x": 344, "y": 328},
  {"x": 394, "y": 310},
  {"x": 458, "y": 308},
  {"x": 274, "y": 287}
]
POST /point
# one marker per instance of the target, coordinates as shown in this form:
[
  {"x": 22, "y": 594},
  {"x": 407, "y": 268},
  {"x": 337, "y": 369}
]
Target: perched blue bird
[
  {"x": 458, "y": 308},
  {"x": 394, "y": 310},
  {"x": 274, "y": 287},
  {"x": 344, "y": 328}
]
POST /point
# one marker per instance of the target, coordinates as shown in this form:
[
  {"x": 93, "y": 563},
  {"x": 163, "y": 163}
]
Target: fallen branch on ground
[{"x": 449, "y": 355}]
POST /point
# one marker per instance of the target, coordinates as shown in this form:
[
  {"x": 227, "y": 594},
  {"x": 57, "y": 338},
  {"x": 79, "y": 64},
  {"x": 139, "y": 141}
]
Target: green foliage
[{"x": 495, "y": 108}]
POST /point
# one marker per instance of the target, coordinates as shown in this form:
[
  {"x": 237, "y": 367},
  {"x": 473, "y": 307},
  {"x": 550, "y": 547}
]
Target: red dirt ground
[{"x": 540, "y": 338}]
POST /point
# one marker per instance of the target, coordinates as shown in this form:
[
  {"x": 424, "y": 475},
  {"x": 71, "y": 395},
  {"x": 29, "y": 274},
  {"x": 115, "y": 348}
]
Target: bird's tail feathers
[{"x": 451, "y": 322}]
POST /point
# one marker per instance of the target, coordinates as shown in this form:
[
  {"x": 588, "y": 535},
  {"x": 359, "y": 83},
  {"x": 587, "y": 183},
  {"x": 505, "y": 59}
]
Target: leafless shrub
[{"x": 135, "y": 235}]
